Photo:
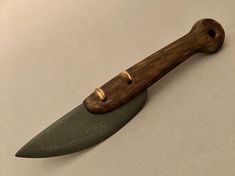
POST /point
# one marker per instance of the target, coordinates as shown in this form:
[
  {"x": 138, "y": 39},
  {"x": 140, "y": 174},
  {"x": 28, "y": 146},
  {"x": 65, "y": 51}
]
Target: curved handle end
[{"x": 212, "y": 36}]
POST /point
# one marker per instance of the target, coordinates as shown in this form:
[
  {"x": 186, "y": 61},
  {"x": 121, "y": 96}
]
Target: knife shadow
[
  {"x": 52, "y": 164},
  {"x": 172, "y": 76}
]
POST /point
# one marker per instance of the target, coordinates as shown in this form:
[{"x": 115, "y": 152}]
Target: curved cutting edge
[{"x": 80, "y": 129}]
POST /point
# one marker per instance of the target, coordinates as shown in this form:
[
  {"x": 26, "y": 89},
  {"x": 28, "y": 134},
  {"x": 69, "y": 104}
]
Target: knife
[{"x": 114, "y": 104}]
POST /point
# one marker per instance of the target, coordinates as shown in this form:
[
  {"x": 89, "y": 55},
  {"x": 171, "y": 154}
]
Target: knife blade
[
  {"x": 114, "y": 104},
  {"x": 80, "y": 129}
]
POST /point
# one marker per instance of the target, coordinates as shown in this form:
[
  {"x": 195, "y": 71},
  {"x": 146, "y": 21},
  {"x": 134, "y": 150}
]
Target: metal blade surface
[{"x": 80, "y": 129}]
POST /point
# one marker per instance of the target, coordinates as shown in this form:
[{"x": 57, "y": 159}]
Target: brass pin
[
  {"x": 126, "y": 76},
  {"x": 100, "y": 94}
]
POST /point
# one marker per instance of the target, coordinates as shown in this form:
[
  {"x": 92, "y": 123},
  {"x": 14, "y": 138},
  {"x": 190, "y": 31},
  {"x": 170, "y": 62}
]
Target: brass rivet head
[
  {"x": 100, "y": 94},
  {"x": 126, "y": 76}
]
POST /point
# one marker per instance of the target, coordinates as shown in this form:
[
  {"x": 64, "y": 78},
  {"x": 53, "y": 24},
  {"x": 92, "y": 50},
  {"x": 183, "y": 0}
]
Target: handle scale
[{"x": 206, "y": 36}]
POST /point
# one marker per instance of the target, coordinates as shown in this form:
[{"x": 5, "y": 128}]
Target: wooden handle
[{"x": 205, "y": 36}]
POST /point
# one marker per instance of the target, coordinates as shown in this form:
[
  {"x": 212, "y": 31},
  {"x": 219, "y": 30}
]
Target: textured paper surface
[{"x": 54, "y": 53}]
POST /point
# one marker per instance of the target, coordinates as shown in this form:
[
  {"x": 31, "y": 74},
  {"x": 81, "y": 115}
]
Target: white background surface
[{"x": 54, "y": 53}]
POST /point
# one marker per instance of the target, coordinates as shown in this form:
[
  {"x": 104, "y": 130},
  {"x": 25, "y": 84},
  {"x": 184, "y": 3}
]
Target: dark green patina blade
[{"x": 80, "y": 129}]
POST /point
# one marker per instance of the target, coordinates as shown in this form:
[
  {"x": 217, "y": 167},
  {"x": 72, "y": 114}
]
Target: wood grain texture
[{"x": 206, "y": 36}]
